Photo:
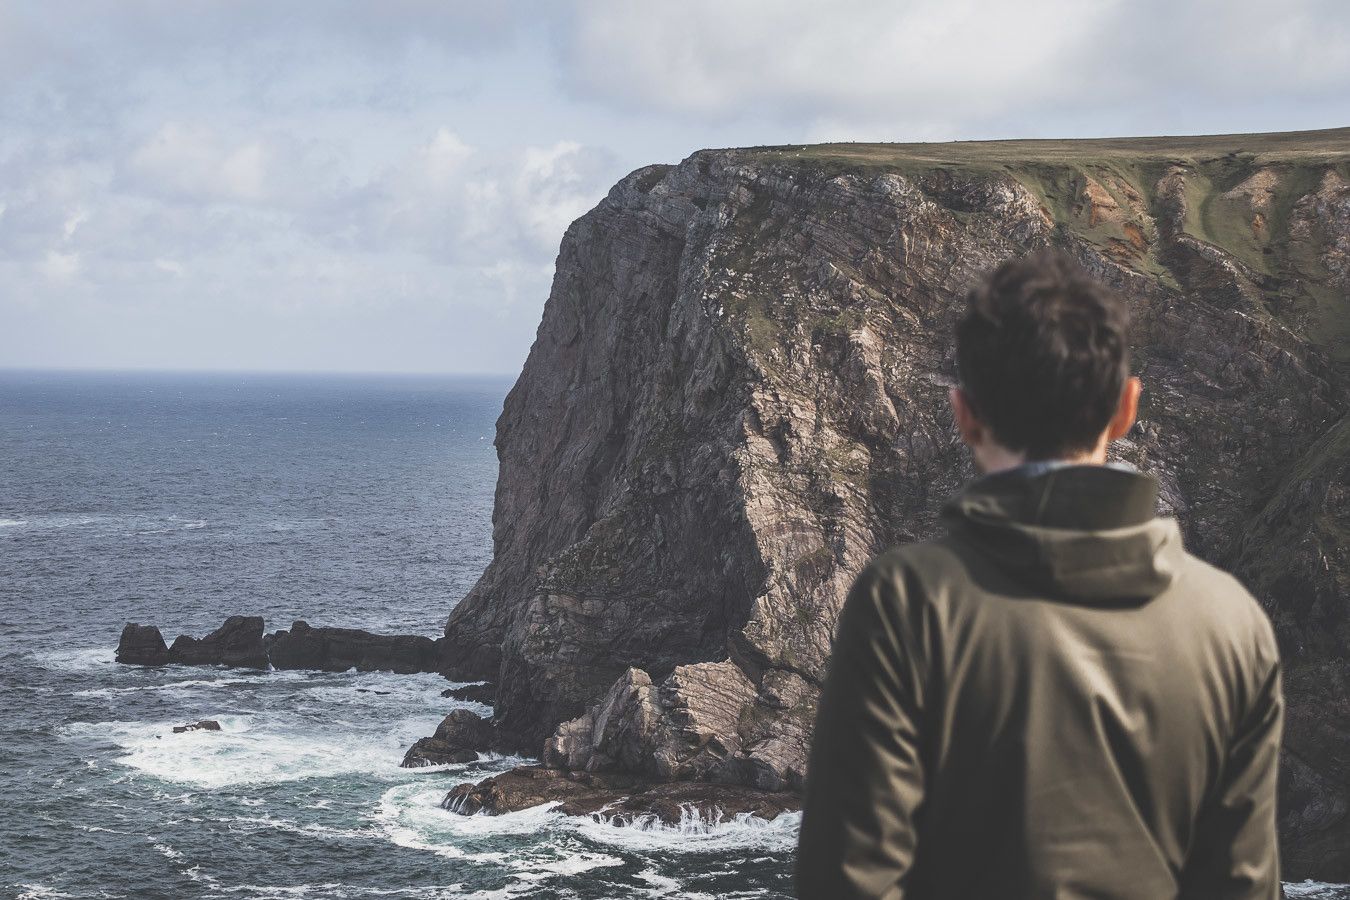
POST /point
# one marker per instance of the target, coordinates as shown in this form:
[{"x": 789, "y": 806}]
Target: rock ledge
[{"x": 615, "y": 798}]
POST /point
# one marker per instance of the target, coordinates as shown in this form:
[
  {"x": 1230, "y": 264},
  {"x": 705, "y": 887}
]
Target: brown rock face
[{"x": 737, "y": 396}]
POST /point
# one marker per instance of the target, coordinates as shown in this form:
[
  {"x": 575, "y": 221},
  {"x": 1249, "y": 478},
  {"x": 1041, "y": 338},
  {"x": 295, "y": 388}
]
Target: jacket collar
[{"x": 1078, "y": 531}]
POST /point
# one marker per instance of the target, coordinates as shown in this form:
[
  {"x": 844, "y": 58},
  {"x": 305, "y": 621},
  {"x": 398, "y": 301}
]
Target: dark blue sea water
[{"x": 358, "y": 501}]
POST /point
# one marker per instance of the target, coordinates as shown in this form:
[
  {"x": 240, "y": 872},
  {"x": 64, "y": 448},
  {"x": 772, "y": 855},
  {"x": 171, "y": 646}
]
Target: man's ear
[
  {"x": 1127, "y": 411},
  {"x": 971, "y": 428}
]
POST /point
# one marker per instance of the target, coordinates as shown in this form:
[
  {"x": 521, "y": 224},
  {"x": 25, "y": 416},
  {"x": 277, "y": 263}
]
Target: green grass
[{"x": 1304, "y": 147}]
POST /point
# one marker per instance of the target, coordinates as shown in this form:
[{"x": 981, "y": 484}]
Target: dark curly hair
[{"x": 1043, "y": 354}]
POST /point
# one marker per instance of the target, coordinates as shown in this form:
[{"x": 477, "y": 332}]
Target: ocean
[{"x": 359, "y": 501}]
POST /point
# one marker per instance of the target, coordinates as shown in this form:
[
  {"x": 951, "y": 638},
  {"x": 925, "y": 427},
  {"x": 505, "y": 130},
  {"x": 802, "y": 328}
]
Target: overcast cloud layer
[{"x": 382, "y": 186}]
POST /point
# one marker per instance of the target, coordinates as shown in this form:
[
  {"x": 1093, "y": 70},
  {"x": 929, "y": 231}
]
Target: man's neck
[{"x": 992, "y": 458}]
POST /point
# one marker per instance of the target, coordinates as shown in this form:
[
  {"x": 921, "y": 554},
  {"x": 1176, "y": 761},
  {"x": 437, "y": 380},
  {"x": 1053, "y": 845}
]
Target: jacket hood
[{"x": 1077, "y": 532}]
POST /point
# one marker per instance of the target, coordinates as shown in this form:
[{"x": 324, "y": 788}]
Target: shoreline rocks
[
  {"x": 203, "y": 725},
  {"x": 237, "y": 643},
  {"x": 458, "y": 739},
  {"x": 483, "y": 692},
  {"x": 616, "y": 798},
  {"x": 241, "y": 643},
  {"x": 340, "y": 649}
]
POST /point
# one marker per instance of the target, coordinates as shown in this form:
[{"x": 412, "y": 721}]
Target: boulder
[
  {"x": 458, "y": 739},
  {"x": 142, "y": 645},
  {"x": 203, "y": 725}
]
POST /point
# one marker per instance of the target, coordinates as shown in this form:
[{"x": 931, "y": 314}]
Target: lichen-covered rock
[
  {"x": 458, "y": 739},
  {"x": 737, "y": 396}
]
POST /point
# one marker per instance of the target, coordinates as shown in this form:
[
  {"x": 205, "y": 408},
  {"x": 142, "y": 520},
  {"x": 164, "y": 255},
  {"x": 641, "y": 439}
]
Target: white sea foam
[
  {"x": 79, "y": 660},
  {"x": 250, "y": 750},
  {"x": 12, "y": 523},
  {"x": 660, "y": 885},
  {"x": 416, "y": 806},
  {"x": 172, "y": 687},
  {"x": 41, "y": 892},
  {"x": 334, "y": 891},
  {"x": 274, "y": 823},
  {"x": 411, "y": 817},
  {"x": 168, "y": 852},
  {"x": 1316, "y": 890},
  {"x": 696, "y": 834},
  {"x": 549, "y": 844}
]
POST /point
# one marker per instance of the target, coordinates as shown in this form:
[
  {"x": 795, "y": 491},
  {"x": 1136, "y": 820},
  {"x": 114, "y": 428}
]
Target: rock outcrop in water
[
  {"x": 340, "y": 649},
  {"x": 614, "y": 798},
  {"x": 142, "y": 645},
  {"x": 241, "y": 642},
  {"x": 737, "y": 395},
  {"x": 458, "y": 739}
]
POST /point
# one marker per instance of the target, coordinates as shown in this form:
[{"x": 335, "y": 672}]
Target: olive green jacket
[{"x": 1055, "y": 700}]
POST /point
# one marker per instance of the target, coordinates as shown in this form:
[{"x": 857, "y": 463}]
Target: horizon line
[{"x": 168, "y": 370}]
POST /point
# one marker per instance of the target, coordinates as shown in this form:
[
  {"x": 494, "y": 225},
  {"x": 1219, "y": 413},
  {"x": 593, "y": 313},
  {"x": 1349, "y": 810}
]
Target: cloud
[
  {"x": 192, "y": 163},
  {"x": 341, "y": 184},
  {"x": 59, "y": 266},
  {"x": 955, "y": 67},
  {"x": 457, "y": 204}
]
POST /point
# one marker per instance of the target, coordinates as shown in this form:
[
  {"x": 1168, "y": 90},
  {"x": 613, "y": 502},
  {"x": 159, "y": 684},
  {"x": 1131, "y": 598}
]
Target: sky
[{"x": 331, "y": 185}]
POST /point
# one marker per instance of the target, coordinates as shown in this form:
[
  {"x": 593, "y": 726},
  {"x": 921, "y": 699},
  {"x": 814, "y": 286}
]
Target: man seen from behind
[{"x": 1055, "y": 699}]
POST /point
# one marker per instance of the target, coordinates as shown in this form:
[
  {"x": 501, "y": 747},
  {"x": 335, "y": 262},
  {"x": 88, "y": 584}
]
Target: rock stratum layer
[{"x": 737, "y": 396}]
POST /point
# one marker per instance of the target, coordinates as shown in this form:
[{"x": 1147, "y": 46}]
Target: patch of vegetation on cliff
[{"x": 1240, "y": 193}]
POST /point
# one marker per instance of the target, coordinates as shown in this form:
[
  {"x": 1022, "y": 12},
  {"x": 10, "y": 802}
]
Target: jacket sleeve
[
  {"x": 1235, "y": 854},
  {"x": 865, "y": 779}
]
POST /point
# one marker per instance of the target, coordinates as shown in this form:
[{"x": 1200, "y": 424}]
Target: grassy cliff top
[{"x": 1327, "y": 146}]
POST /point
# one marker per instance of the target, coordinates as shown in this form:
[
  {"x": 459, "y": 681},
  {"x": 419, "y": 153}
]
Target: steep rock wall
[{"x": 737, "y": 396}]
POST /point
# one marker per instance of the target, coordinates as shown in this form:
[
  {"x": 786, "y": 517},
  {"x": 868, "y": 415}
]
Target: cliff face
[{"x": 737, "y": 395}]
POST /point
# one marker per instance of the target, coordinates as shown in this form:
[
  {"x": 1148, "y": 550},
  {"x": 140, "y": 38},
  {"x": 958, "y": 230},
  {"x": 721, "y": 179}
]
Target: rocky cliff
[{"x": 737, "y": 396}]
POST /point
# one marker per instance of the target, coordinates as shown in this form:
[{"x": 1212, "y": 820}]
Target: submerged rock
[
  {"x": 458, "y": 739},
  {"x": 142, "y": 645},
  {"x": 203, "y": 725},
  {"x": 616, "y": 798}
]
